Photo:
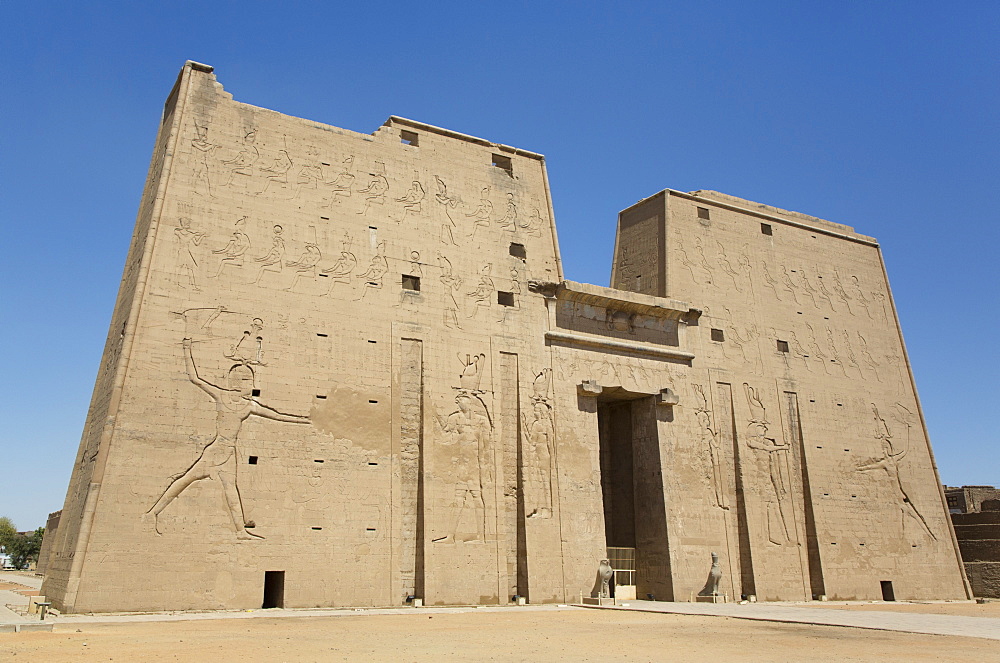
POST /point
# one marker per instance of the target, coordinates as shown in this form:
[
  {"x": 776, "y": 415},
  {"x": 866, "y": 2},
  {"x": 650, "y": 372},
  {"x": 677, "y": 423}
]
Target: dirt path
[{"x": 559, "y": 635}]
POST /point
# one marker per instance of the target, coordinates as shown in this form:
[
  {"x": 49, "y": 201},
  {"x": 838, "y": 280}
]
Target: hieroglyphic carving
[
  {"x": 277, "y": 172},
  {"x": 889, "y": 461},
  {"x": 840, "y": 292},
  {"x": 710, "y": 436},
  {"x": 378, "y": 187},
  {"x": 452, "y": 283},
  {"x": 867, "y": 358},
  {"x": 376, "y": 270},
  {"x": 249, "y": 347},
  {"x": 696, "y": 263},
  {"x": 799, "y": 350},
  {"x": 310, "y": 175},
  {"x": 448, "y": 203},
  {"x": 342, "y": 185},
  {"x": 469, "y": 430},
  {"x": 412, "y": 200},
  {"x": 306, "y": 264},
  {"x": 187, "y": 240},
  {"x": 533, "y": 224},
  {"x": 481, "y": 215},
  {"x": 273, "y": 261},
  {"x": 242, "y": 164},
  {"x": 204, "y": 149},
  {"x": 407, "y": 297},
  {"x": 769, "y": 280},
  {"x": 854, "y": 285},
  {"x": 789, "y": 284},
  {"x": 485, "y": 292},
  {"x": 727, "y": 267},
  {"x": 539, "y": 436},
  {"x": 472, "y": 371},
  {"x": 233, "y": 252},
  {"x": 234, "y": 404},
  {"x": 776, "y": 498},
  {"x": 509, "y": 221},
  {"x": 343, "y": 268}
]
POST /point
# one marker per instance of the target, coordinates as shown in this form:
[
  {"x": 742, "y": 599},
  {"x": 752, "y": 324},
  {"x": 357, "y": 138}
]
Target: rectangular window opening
[
  {"x": 411, "y": 283},
  {"x": 317, "y": 528},
  {"x": 322, "y": 335},
  {"x": 504, "y": 163},
  {"x": 319, "y": 460},
  {"x": 251, "y": 460},
  {"x": 255, "y": 392},
  {"x": 274, "y": 589},
  {"x": 765, "y": 228},
  {"x": 322, "y": 397},
  {"x": 703, "y": 213},
  {"x": 718, "y": 335},
  {"x": 505, "y": 298},
  {"x": 373, "y": 464},
  {"x": 887, "y": 593},
  {"x": 518, "y": 251},
  {"x": 371, "y": 341},
  {"x": 408, "y": 138},
  {"x": 782, "y": 346},
  {"x": 373, "y": 401}
]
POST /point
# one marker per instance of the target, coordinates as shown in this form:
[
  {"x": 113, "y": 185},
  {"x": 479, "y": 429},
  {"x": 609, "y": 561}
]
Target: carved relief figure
[
  {"x": 249, "y": 348},
  {"x": 728, "y": 268},
  {"x": 769, "y": 280},
  {"x": 533, "y": 224},
  {"x": 273, "y": 260},
  {"x": 889, "y": 462},
  {"x": 234, "y": 404},
  {"x": 413, "y": 199},
  {"x": 376, "y": 270},
  {"x": 711, "y": 587},
  {"x": 306, "y": 264},
  {"x": 452, "y": 284},
  {"x": 343, "y": 184},
  {"x": 472, "y": 371},
  {"x": 242, "y": 163},
  {"x": 788, "y": 283},
  {"x": 187, "y": 239},
  {"x": 539, "y": 435},
  {"x": 277, "y": 172},
  {"x": 470, "y": 431},
  {"x": 203, "y": 150},
  {"x": 509, "y": 221},
  {"x": 776, "y": 498},
  {"x": 699, "y": 273},
  {"x": 482, "y": 213},
  {"x": 310, "y": 175},
  {"x": 854, "y": 284},
  {"x": 449, "y": 203},
  {"x": 799, "y": 350},
  {"x": 711, "y": 438},
  {"x": 377, "y": 187},
  {"x": 484, "y": 294},
  {"x": 838, "y": 290},
  {"x": 867, "y": 358},
  {"x": 233, "y": 252},
  {"x": 342, "y": 269}
]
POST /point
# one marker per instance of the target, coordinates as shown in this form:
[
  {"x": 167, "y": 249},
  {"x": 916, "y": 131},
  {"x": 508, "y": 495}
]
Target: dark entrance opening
[
  {"x": 887, "y": 593},
  {"x": 632, "y": 487},
  {"x": 274, "y": 589}
]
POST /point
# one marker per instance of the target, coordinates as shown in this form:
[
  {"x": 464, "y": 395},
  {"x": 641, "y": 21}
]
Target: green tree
[
  {"x": 24, "y": 548},
  {"x": 8, "y": 532}
]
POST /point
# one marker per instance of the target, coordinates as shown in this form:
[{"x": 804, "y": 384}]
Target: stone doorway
[{"x": 632, "y": 487}]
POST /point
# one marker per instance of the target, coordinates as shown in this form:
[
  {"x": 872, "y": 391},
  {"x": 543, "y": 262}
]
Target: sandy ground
[
  {"x": 558, "y": 635},
  {"x": 991, "y": 609}
]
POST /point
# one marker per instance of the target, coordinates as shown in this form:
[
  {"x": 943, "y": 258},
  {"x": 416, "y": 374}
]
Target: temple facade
[{"x": 347, "y": 370}]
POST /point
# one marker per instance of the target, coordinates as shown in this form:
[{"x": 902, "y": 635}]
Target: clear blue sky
[{"x": 879, "y": 115}]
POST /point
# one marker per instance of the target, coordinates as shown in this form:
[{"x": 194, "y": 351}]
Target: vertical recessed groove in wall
[
  {"x": 514, "y": 535},
  {"x": 411, "y": 461},
  {"x": 727, "y": 422},
  {"x": 817, "y": 586}
]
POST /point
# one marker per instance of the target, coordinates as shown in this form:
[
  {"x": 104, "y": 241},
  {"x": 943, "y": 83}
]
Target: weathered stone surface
[{"x": 327, "y": 382}]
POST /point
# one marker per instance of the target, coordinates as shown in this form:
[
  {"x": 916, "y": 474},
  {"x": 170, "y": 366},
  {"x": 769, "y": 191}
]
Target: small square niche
[
  {"x": 782, "y": 346},
  {"x": 703, "y": 213},
  {"x": 505, "y": 298},
  {"x": 765, "y": 228},
  {"x": 518, "y": 251},
  {"x": 504, "y": 163},
  {"x": 411, "y": 283},
  {"x": 718, "y": 335},
  {"x": 409, "y": 138}
]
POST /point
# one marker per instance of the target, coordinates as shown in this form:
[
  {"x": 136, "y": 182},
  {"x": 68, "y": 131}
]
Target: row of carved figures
[
  {"x": 373, "y": 190},
  {"x": 790, "y": 284}
]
